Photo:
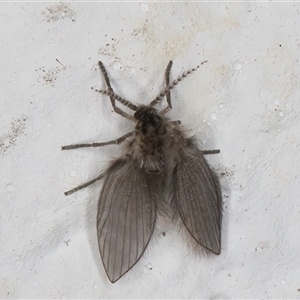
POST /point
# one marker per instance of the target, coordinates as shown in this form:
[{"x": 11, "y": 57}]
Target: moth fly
[{"x": 158, "y": 160}]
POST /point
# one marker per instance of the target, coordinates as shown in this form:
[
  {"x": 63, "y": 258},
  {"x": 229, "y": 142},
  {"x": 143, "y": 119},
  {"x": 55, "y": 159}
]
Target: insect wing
[
  {"x": 198, "y": 196},
  {"x": 126, "y": 217}
]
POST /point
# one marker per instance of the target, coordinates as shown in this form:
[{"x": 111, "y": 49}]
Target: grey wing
[
  {"x": 198, "y": 197},
  {"x": 126, "y": 218}
]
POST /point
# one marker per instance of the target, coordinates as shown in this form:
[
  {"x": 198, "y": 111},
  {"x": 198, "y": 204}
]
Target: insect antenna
[
  {"x": 167, "y": 89},
  {"x": 111, "y": 93}
]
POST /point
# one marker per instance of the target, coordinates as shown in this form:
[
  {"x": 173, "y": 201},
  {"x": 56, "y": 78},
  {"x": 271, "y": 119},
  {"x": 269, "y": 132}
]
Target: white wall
[{"x": 244, "y": 101}]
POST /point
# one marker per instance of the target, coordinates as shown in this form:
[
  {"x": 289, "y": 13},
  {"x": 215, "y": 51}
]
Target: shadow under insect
[{"x": 158, "y": 159}]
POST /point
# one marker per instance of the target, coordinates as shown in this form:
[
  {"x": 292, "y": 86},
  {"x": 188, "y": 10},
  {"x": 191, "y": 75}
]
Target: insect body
[{"x": 158, "y": 160}]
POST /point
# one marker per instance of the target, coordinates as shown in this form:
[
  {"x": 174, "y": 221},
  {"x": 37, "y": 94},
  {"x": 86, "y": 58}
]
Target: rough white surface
[{"x": 244, "y": 101}]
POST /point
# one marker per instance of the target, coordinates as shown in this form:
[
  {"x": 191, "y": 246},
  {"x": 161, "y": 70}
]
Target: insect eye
[{"x": 137, "y": 115}]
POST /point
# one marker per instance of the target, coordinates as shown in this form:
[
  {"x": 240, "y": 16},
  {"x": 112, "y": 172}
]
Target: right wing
[
  {"x": 126, "y": 217},
  {"x": 199, "y": 199}
]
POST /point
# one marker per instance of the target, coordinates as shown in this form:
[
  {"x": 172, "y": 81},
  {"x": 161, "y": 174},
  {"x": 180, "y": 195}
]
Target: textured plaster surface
[{"x": 244, "y": 101}]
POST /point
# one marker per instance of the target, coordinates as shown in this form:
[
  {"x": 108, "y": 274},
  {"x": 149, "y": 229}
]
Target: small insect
[{"x": 159, "y": 161}]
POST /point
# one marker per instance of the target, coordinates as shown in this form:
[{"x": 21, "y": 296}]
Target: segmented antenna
[
  {"x": 123, "y": 101},
  {"x": 173, "y": 84}
]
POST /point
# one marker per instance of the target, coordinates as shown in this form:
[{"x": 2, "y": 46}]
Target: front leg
[
  {"x": 111, "y": 94},
  {"x": 165, "y": 92},
  {"x": 167, "y": 77}
]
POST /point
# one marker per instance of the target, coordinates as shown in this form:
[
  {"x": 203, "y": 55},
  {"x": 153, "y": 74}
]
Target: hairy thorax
[{"x": 155, "y": 135}]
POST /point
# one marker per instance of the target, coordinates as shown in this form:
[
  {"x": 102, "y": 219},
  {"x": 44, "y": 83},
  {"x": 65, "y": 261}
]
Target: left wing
[{"x": 126, "y": 217}]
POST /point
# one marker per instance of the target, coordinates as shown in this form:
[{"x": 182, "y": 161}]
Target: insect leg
[
  {"x": 166, "y": 91},
  {"x": 82, "y": 186},
  {"x": 168, "y": 94},
  {"x": 113, "y": 142},
  {"x": 167, "y": 76},
  {"x": 111, "y": 94},
  {"x": 211, "y": 151},
  {"x": 171, "y": 86}
]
